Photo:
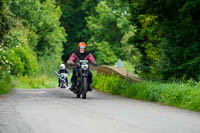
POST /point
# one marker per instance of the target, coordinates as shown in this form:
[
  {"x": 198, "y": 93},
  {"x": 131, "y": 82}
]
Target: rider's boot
[
  {"x": 72, "y": 87},
  {"x": 59, "y": 84},
  {"x": 66, "y": 84}
]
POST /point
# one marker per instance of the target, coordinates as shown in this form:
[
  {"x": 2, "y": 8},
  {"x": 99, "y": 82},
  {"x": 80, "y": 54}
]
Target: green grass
[
  {"x": 182, "y": 95},
  {"x": 35, "y": 82}
]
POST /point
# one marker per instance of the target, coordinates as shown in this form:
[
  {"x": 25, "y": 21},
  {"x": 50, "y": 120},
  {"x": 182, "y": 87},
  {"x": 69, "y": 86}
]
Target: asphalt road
[{"x": 58, "y": 111}]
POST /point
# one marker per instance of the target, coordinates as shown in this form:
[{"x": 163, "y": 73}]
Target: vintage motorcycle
[
  {"x": 81, "y": 85},
  {"x": 62, "y": 77}
]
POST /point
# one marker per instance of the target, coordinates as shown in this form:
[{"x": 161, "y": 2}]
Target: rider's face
[{"x": 82, "y": 50}]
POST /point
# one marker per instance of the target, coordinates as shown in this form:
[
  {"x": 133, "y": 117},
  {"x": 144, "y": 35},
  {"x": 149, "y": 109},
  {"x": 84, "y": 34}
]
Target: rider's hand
[
  {"x": 94, "y": 64},
  {"x": 70, "y": 63},
  {"x": 78, "y": 64}
]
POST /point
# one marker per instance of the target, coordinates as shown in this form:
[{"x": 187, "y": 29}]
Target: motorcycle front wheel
[
  {"x": 62, "y": 85},
  {"x": 85, "y": 87},
  {"x": 78, "y": 95}
]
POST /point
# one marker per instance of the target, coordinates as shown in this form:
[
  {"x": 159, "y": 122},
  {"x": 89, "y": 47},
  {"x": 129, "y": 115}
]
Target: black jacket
[{"x": 63, "y": 71}]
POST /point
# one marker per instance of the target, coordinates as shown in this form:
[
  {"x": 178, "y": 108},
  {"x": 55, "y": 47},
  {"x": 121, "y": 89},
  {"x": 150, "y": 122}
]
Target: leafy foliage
[
  {"x": 16, "y": 55},
  {"x": 104, "y": 53},
  {"x": 99, "y": 22},
  {"x": 5, "y": 81},
  {"x": 185, "y": 95},
  {"x": 111, "y": 28},
  {"x": 43, "y": 20},
  {"x": 30, "y": 31},
  {"x": 148, "y": 41},
  {"x": 178, "y": 21},
  {"x": 73, "y": 20}
]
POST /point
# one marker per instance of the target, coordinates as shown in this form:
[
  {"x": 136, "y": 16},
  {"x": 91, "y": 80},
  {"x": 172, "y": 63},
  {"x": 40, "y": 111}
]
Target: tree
[
  {"x": 2, "y": 25},
  {"x": 42, "y": 18},
  {"x": 148, "y": 41},
  {"x": 73, "y": 20},
  {"x": 178, "y": 21},
  {"x": 31, "y": 33},
  {"x": 5, "y": 21},
  {"x": 110, "y": 29}
]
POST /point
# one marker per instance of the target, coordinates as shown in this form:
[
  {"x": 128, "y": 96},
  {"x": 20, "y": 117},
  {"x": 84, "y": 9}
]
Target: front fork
[
  {"x": 84, "y": 74},
  {"x": 80, "y": 75}
]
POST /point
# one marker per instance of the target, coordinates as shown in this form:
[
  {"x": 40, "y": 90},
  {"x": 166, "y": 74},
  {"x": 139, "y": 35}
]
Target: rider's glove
[
  {"x": 78, "y": 64},
  {"x": 94, "y": 64},
  {"x": 70, "y": 63}
]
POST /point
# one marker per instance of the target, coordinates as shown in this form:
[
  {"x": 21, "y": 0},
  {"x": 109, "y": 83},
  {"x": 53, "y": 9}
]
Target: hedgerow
[
  {"x": 182, "y": 95},
  {"x": 5, "y": 82}
]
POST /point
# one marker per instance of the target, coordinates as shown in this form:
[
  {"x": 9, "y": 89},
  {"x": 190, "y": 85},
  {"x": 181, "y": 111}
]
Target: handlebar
[{"x": 77, "y": 63}]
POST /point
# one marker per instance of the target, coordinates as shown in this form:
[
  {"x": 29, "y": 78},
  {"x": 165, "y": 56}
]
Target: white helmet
[{"x": 62, "y": 66}]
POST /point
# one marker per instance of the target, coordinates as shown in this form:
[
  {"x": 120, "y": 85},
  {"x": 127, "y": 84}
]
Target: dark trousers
[{"x": 73, "y": 79}]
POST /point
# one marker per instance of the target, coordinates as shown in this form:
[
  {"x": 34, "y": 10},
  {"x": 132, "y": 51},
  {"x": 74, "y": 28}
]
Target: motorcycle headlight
[
  {"x": 63, "y": 75},
  {"x": 84, "y": 67}
]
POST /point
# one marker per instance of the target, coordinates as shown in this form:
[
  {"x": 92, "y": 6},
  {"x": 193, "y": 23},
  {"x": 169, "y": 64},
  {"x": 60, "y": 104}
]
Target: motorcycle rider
[
  {"x": 81, "y": 54},
  {"x": 63, "y": 69}
]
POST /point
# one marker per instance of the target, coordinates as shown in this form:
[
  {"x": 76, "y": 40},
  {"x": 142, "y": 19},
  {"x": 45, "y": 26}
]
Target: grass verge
[
  {"x": 38, "y": 82},
  {"x": 5, "y": 83},
  {"x": 185, "y": 95}
]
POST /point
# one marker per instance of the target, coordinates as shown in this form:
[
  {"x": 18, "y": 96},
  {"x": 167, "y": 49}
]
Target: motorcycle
[
  {"x": 62, "y": 77},
  {"x": 81, "y": 85}
]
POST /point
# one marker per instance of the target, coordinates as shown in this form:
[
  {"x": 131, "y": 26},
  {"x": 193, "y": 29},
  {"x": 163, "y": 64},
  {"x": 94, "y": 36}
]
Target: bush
[
  {"x": 48, "y": 65},
  {"x": 15, "y": 63},
  {"x": 42, "y": 17},
  {"x": 16, "y": 55},
  {"x": 107, "y": 84},
  {"x": 183, "y": 95},
  {"x": 27, "y": 57},
  {"x": 5, "y": 82},
  {"x": 21, "y": 61}
]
